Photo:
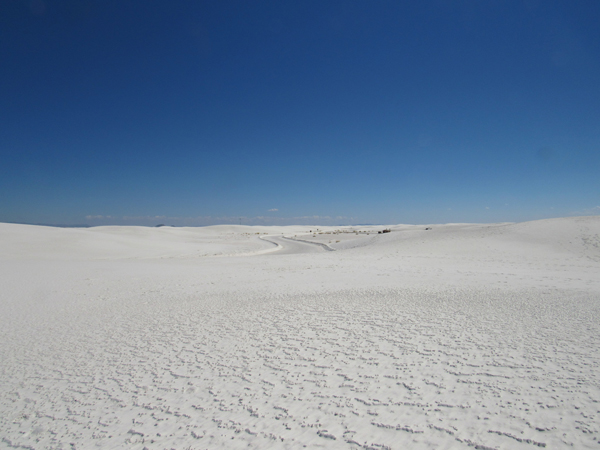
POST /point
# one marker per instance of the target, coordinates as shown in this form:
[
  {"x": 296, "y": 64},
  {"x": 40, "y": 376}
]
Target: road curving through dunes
[{"x": 291, "y": 246}]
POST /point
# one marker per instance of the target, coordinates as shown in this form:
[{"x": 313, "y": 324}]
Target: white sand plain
[{"x": 462, "y": 336}]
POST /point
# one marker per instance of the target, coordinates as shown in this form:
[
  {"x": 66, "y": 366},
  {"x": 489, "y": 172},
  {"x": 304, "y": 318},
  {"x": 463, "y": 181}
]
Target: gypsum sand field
[{"x": 461, "y": 336}]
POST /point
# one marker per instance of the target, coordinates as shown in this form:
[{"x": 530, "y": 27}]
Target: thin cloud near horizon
[{"x": 152, "y": 220}]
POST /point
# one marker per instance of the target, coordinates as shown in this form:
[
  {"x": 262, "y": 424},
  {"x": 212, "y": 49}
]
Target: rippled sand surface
[{"x": 460, "y": 336}]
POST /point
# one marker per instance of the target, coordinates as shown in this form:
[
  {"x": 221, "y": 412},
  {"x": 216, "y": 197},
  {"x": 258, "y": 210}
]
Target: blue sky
[{"x": 324, "y": 112}]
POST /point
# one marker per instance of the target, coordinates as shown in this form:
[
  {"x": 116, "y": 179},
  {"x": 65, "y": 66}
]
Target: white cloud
[
  {"x": 273, "y": 209},
  {"x": 153, "y": 220},
  {"x": 314, "y": 217},
  {"x": 593, "y": 211}
]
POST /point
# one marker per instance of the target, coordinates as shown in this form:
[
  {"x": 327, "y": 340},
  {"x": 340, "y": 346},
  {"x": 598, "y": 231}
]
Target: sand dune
[{"x": 434, "y": 336}]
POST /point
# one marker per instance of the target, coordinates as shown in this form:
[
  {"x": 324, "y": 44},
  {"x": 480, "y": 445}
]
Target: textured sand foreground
[{"x": 462, "y": 336}]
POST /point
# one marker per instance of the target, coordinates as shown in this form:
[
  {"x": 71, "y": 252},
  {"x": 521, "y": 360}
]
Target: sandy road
[{"x": 291, "y": 246}]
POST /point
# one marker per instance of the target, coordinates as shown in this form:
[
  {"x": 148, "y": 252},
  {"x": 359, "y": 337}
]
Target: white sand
[{"x": 462, "y": 336}]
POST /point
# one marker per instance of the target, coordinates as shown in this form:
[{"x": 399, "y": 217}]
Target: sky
[{"x": 298, "y": 112}]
